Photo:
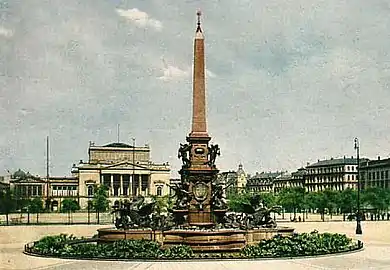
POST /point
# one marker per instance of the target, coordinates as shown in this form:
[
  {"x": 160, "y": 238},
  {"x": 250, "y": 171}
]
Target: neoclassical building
[
  {"x": 375, "y": 173},
  {"x": 126, "y": 170},
  {"x": 334, "y": 174}
]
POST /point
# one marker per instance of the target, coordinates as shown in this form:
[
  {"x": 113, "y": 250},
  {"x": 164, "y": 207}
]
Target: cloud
[
  {"x": 210, "y": 74},
  {"x": 173, "y": 73},
  {"x": 6, "y": 32},
  {"x": 140, "y": 18}
]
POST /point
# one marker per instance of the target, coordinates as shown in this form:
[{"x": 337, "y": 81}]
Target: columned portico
[{"x": 124, "y": 169}]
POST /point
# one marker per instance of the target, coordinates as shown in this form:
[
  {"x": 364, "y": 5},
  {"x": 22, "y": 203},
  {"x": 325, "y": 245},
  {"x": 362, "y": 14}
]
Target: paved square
[{"x": 376, "y": 237}]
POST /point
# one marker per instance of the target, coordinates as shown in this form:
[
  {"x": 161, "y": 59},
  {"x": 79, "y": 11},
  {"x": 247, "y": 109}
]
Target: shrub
[
  {"x": 298, "y": 245},
  {"x": 178, "y": 252}
]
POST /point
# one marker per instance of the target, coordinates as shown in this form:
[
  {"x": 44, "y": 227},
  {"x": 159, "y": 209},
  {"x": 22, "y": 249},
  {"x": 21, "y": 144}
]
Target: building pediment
[{"x": 125, "y": 165}]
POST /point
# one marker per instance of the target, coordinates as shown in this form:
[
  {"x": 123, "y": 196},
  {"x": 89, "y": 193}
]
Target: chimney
[{"x": 379, "y": 157}]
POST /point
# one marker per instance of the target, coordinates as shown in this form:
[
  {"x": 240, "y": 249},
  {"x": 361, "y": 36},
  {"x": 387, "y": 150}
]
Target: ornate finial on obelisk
[{"x": 199, "y": 13}]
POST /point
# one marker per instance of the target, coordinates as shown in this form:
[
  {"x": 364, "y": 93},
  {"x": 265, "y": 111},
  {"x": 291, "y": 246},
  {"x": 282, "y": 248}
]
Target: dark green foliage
[
  {"x": 69, "y": 205},
  {"x": 52, "y": 245},
  {"x": 376, "y": 198},
  {"x": 292, "y": 199},
  {"x": 65, "y": 246},
  {"x": 7, "y": 202},
  {"x": 305, "y": 244},
  {"x": 237, "y": 202},
  {"x": 178, "y": 252},
  {"x": 100, "y": 200},
  {"x": 36, "y": 205}
]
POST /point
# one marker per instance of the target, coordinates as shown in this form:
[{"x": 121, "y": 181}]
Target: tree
[
  {"x": 377, "y": 198},
  {"x": 237, "y": 201},
  {"x": 36, "y": 206},
  {"x": 347, "y": 201},
  {"x": 332, "y": 199},
  {"x": 269, "y": 199},
  {"x": 100, "y": 200},
  {"x": 7, "y": 203},
  {"x": 69, "y": 206},
  {"x": 162, "y": 203},
  {"x": 292, "y": 199}
]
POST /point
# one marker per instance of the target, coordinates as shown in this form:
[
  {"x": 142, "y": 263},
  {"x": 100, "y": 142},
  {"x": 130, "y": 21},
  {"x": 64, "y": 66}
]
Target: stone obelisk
[
  {"x": 199, "y": 172},
  {"x": 199, "y": 125}
]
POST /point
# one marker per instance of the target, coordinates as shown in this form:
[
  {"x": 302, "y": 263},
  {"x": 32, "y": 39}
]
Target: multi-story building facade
[
  {"x": 375, "y": 173},
  {"x": 126, "y": 170},
  {"x": 233, "y": 181},
  {"x": 61, "y": 188},
  {"x": 26, "y": 185},
  {"x": 334, "y": 174},
  {"x": 262, "y": 182}
]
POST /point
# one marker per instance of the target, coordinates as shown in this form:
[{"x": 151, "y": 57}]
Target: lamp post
[
  {"x": 134, "y": 187},
  {"x": 358, "y": 215}
]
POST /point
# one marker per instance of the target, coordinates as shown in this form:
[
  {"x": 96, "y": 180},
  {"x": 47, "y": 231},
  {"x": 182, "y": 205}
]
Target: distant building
[
  {"x": 4, "y": 182},
  {"x": 241, "y": 178},
  {"x": 127, "y": 171},
  {"x": 263, "y": 182},
  {"x": 27, "y": 186},
  {"x": 375, "y": 173},
  {"x": 334, "y": 174},
  {"x": 61, "y": 188},
  {"x": 233, "y": 181}
]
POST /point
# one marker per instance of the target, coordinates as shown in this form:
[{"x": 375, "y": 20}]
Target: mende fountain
[{"x": 200, "y": 217}]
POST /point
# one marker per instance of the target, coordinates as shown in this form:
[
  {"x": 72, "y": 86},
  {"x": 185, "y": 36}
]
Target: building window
[
  {"x": 347, "y": 168},
  {"x": 126, "y": 184},
  {"x": 348, "y": 177},
  {"x": 90, "y": 191},
  {"x": 387, "y": 174},
  {"x": 144, "y": 182},
  {"x": 116, "y": 183},
  {"x": 107, "y": 180},
  {"x": 377, "y": 175},
  {"x": 382, "y": 174},
  {"x": 159, "y": 191}
]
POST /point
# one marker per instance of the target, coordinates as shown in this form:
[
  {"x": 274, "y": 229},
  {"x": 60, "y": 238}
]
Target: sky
[{"x": 288, "y": 82}]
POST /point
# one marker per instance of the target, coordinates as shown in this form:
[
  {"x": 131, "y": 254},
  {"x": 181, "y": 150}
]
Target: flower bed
[{"x": 297, "y": 245}]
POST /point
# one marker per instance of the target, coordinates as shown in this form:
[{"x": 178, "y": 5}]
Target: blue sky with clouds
[{"x": 289, "y": 82}]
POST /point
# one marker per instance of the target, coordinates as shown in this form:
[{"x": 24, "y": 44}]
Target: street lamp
[{"x": 358, "y": 215}]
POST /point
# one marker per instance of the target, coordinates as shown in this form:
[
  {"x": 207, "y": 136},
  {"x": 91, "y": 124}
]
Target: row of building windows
[
  {"x": 29, "y": 190},
  {"x": 331, "y": 170},
  {"x": 379, "y": 175},
  {"x": 67, "y": 187}
]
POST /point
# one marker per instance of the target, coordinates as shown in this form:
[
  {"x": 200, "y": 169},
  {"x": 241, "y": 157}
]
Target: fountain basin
[{"x": 200, "y": 240}]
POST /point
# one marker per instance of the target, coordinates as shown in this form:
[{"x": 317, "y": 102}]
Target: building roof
[
  {"x": 333, "y": 162},
  {"x": 375, "y": 163},
  {"x": 119, "y": 145}
]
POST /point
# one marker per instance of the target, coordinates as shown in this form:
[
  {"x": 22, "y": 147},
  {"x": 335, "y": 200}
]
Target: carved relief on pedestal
[{"x": 199, "y": 153}]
